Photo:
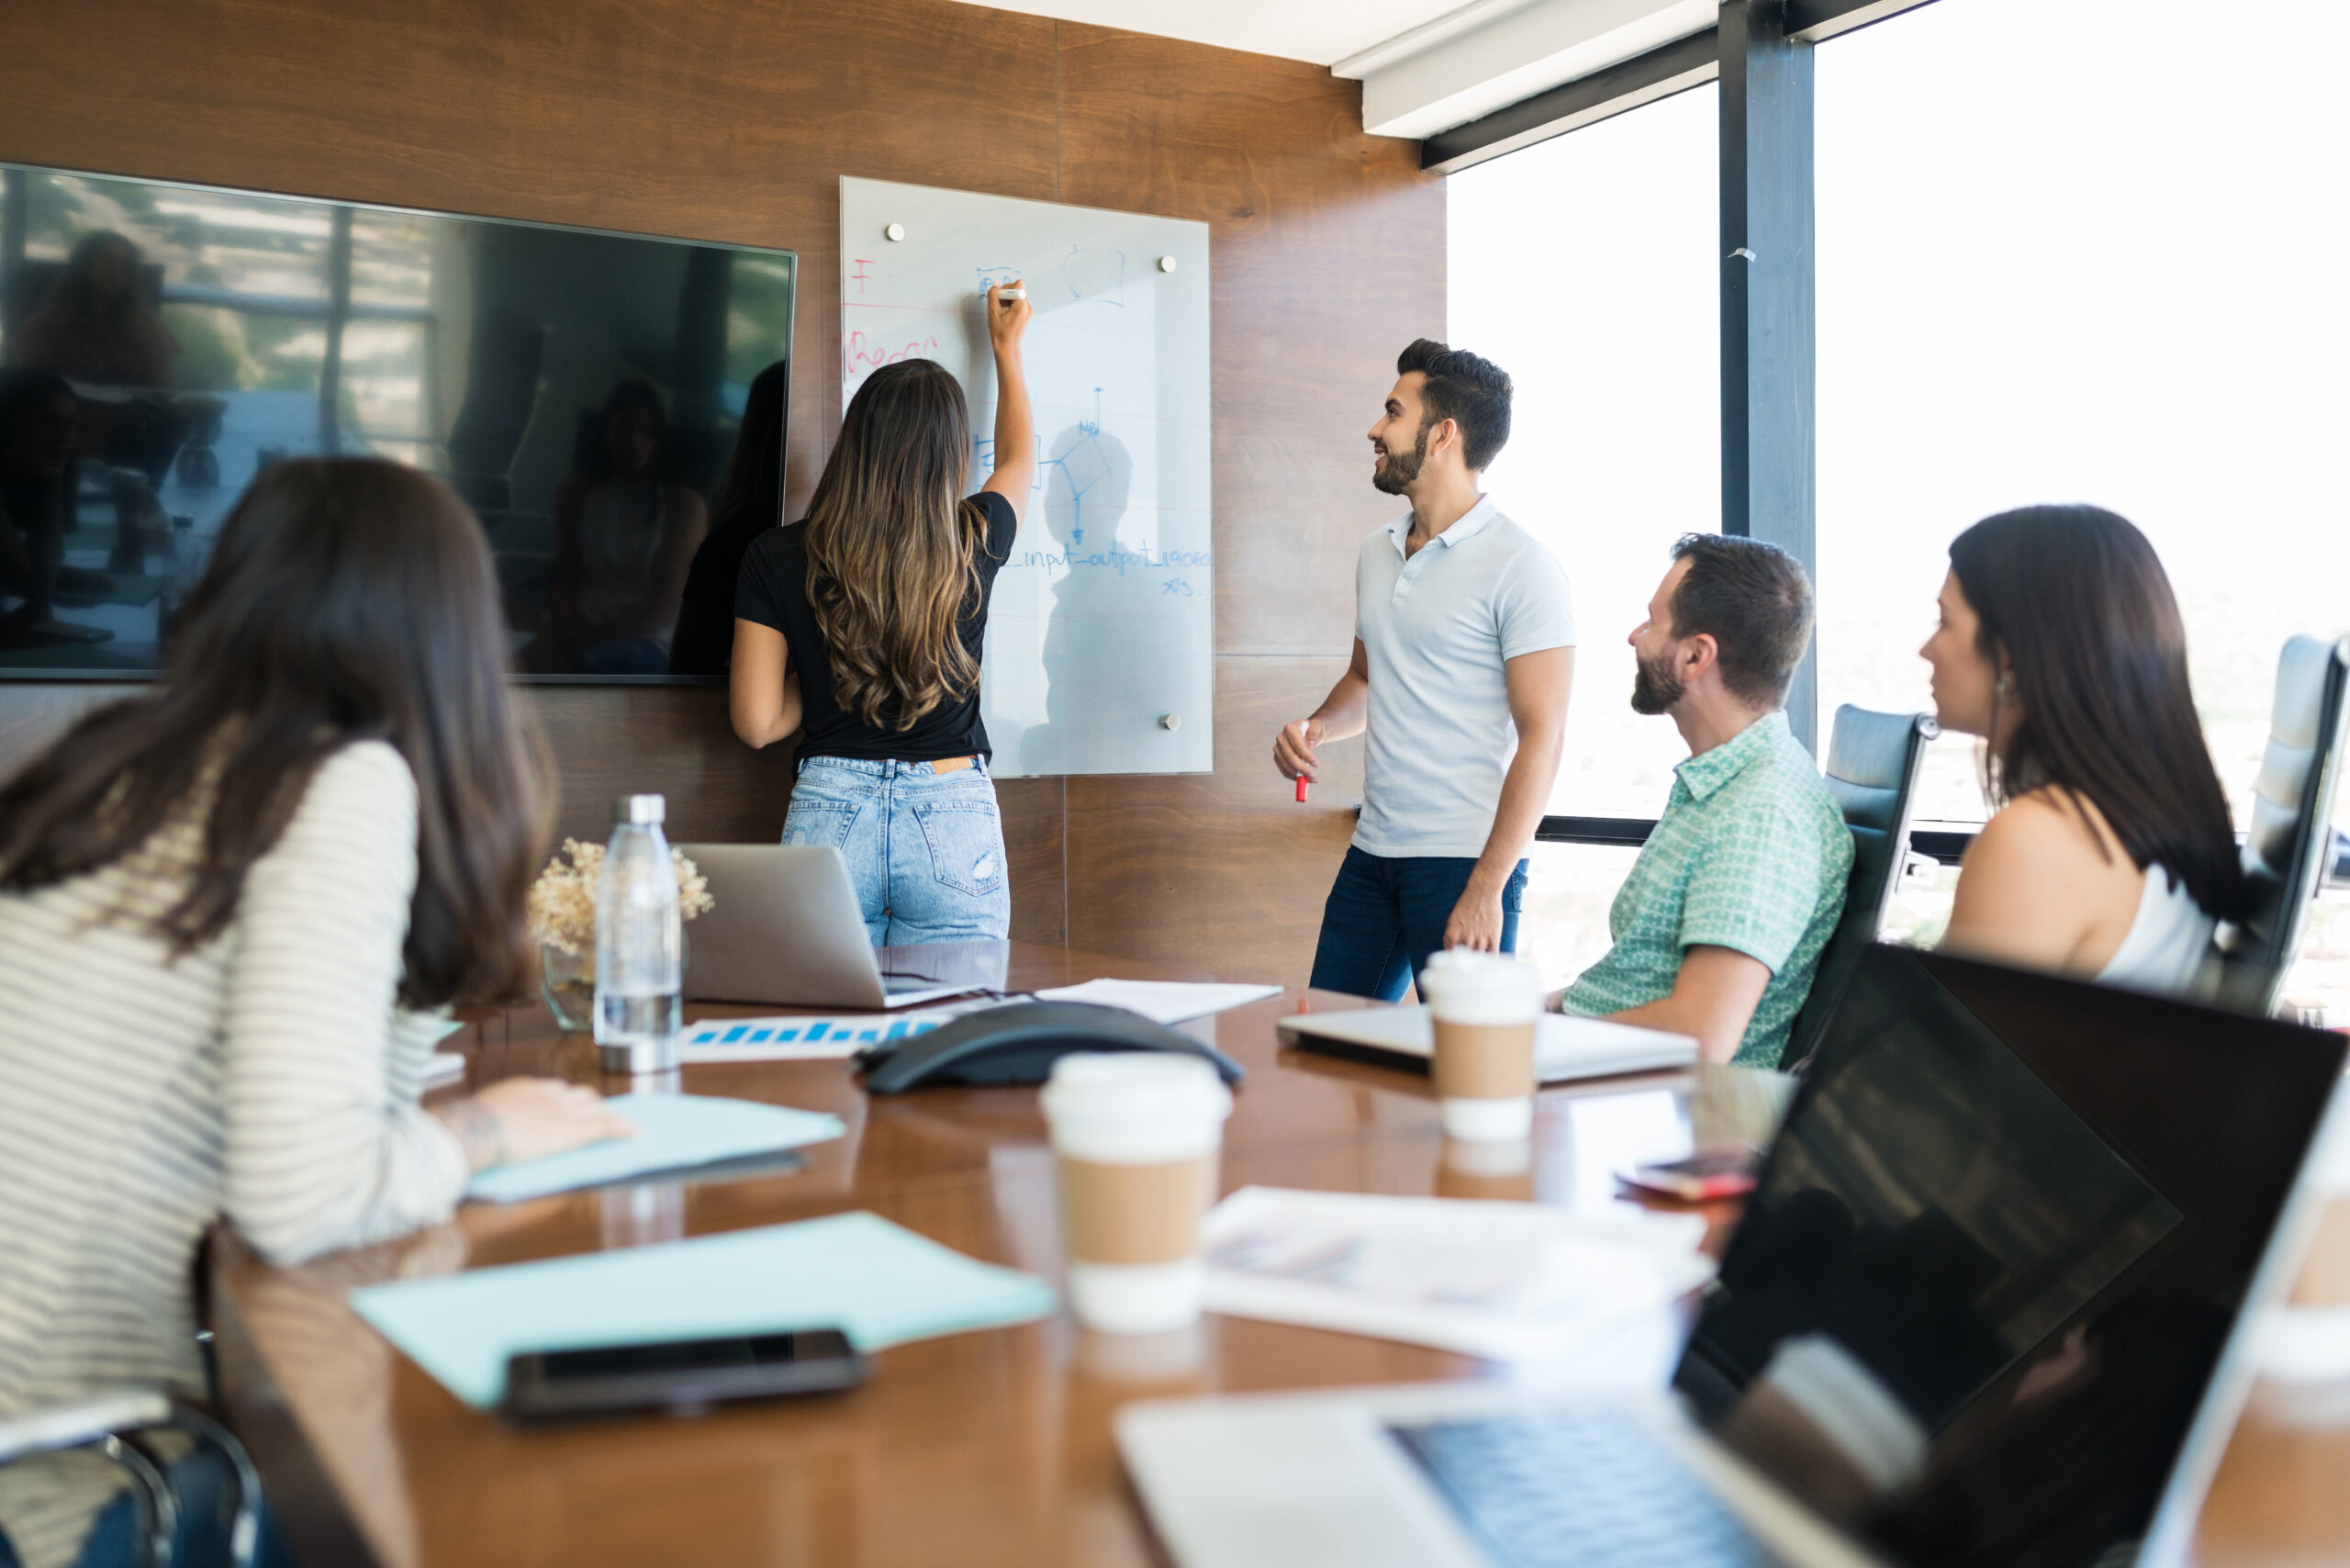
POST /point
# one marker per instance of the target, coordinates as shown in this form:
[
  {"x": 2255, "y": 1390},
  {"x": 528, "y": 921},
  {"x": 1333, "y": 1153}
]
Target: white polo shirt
[{"x": 1438, "y": 629}]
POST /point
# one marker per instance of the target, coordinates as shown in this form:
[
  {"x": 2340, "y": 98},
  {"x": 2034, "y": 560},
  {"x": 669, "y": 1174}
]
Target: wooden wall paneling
[
  {"x": 1329, "y": 257},
  {"x": 33, "y": 717},
  {"x": 609, "y": 741},
  {"x": 1224, "y": 870}
]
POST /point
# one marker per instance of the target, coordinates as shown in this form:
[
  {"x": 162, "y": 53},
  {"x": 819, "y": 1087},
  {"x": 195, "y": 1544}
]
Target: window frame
[{"x": 1760, "y": 52}]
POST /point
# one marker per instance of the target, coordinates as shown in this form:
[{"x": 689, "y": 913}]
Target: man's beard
[
  {"x": 1396, "y": 469},
  {"x": 1655, "y": 689}
]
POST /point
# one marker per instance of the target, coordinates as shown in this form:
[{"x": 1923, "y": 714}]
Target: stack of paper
[
  {"x": 674, "y": 1133},
  {"x": 1511, "y": 1282},
  {"x": 880, "y": 1284},
  {"x": 1164, "y": 1001}
]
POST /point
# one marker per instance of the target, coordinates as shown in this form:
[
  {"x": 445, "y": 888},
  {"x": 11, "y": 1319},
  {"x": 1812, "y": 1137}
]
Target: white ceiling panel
[{"x": 1322, "y": 31}]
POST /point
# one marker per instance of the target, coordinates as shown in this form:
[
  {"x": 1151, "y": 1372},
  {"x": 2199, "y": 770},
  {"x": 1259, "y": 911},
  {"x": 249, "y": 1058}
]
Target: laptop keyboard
[{"x": 1582, "y": 1487}]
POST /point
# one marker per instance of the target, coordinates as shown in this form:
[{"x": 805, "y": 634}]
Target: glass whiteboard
[{"x": 1101, "y": 646}]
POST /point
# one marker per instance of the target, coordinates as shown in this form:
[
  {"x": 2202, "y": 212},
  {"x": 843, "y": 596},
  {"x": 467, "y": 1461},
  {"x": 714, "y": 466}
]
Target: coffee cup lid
[{"x": 1138, "y": 1106}]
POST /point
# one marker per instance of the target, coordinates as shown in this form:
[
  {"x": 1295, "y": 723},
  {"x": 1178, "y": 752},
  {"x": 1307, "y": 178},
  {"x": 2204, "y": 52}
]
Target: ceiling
[
  {"x": 1322, "y": 31},
  {"x": 1424, "y": 65}
]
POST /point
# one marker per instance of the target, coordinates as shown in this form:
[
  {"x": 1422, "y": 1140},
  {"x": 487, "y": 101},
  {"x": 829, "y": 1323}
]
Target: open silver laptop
[
  {"x": 1565, "y": 1048},
  {"x": 1989, "y": 1304},
  {"x": 784, "y": 927}
]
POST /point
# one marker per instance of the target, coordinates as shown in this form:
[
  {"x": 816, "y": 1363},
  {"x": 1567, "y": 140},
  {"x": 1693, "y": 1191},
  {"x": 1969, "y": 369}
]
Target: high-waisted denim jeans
[{"x": 925, "y": 849}]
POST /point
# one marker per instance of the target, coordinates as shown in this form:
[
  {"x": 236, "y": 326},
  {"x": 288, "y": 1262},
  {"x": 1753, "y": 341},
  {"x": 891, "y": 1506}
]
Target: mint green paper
[
  {"x": 878, "y": 1282},
  {"x": 672, "y": 1131}
]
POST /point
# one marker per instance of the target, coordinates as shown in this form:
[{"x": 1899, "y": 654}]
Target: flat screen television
[{"x": 585, "y": 391}]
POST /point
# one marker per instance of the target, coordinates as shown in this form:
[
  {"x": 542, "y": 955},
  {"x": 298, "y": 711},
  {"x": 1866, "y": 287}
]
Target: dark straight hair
[
  {"x": 2079, "y": 601},
  {"x": 347, "y": 600}
]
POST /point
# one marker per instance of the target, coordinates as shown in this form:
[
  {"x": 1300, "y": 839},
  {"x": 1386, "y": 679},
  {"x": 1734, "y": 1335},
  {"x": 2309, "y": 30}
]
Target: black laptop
[{"x": 1988, "y": 1305}]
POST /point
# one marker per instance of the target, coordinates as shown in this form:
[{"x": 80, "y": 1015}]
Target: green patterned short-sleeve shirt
[{"x": 1750, "y": 854}]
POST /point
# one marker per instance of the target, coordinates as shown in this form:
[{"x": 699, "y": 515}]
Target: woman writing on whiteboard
[{"x": 860, "y": 627}]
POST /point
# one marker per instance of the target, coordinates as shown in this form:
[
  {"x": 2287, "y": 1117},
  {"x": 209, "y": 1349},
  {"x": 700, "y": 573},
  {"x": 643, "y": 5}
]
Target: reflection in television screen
[{"x": 585, "y": 392}]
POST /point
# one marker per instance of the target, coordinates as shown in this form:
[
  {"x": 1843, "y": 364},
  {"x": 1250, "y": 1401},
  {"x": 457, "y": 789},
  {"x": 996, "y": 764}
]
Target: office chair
[
  {"x": 120, "y": 1425},
  {"x": 1873, "y": 760},
  {"x": 2291, "y": 848}
]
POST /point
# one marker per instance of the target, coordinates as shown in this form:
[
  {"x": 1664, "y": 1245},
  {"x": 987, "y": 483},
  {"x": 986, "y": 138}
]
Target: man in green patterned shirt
[{"x": 1719, "y": 926}]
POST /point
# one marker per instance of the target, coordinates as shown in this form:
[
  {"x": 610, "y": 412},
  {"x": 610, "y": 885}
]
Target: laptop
[
  {"x": 1988, "y": 1304},
  {"x": 1564, "y": 1048},
  {"x": 784, "y": 927}
]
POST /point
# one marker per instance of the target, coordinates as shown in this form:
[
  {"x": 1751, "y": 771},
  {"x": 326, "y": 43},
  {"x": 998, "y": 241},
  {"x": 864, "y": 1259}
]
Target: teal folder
[
  {"x": 878, "y": 1282},
  {"x": 674, "y": 1133}
]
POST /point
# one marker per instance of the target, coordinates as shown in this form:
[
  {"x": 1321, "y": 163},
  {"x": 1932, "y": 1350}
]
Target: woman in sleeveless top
[
  {"x": 2111, "y": 855},
  {"x": 860, "y": 626}
]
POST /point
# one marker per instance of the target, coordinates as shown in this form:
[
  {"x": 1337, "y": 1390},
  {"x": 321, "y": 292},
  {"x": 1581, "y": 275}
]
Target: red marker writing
[{"x": 1301, "y": 788}]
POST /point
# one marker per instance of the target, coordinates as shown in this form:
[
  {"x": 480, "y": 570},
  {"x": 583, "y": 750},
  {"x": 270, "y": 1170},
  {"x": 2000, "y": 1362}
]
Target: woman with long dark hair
[
  {"x": 864, "y": 623},
  {"x": 233, "y": 915},
  {"x": 749, "y": 502},
  {"x": 96, "y": 326},
  {"x": 625, "y": 533},
  {"x": 2110, "y": 855},
  {"x": 37, "y": 413}
]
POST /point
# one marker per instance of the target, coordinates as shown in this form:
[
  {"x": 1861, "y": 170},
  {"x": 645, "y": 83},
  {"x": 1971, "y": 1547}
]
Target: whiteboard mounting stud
[
  {"x": 1171, "y": 721},
  {"x": 895, "y": 231},
  {"x": 1167, "y": 264}
]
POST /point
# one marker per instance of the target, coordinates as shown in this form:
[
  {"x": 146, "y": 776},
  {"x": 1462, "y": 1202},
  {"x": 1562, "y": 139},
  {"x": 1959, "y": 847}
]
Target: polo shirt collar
[
  {"x": 1710, "y": 770},
  {"x": 1471, "y": 523}
]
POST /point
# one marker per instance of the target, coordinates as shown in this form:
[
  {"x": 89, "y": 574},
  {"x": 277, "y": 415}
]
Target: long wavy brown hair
[
  {"x": 347, "y": 600},
  {"x": 2080, "y": 601},
  {"x": 891, "y": 544}
]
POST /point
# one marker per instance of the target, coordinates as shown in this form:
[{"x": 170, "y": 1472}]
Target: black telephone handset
[{"x": 1018, "y": 1043}]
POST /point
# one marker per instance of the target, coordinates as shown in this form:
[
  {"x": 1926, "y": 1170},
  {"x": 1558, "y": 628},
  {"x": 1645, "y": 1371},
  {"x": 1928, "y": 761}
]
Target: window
[
  {"x": 2083, "y": 249},
  {"x": 1585, "y": 266}
]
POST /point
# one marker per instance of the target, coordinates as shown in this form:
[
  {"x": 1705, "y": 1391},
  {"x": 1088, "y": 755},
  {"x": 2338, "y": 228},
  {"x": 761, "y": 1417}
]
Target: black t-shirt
[{"x": 773, "y": 592}]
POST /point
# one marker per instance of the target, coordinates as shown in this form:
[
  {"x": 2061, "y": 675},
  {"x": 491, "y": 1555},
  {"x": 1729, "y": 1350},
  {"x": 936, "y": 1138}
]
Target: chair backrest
[
  {"x": 1873, "y": 760},
  {"x": 2291, "y": 840}
]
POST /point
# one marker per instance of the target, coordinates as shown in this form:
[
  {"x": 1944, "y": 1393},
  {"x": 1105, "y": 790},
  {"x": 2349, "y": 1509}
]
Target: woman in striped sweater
[{"x": 231, "y": 914}]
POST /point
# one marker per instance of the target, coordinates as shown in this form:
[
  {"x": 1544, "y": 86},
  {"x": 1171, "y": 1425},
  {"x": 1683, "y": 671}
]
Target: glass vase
[{"x": 567, "y": 981}]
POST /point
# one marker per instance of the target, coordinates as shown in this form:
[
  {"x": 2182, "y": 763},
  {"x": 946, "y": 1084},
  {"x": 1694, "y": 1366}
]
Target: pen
[{"x": 1301, "y": 788}]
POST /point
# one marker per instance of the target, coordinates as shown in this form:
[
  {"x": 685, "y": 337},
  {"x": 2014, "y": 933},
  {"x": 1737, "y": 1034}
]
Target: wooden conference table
[{"x": 981, "y": 1449}]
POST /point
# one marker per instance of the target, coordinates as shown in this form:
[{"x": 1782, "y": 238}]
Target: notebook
[
  {"x": 1565, "y": 1048},
  {"x": 878, "y": 1282}
]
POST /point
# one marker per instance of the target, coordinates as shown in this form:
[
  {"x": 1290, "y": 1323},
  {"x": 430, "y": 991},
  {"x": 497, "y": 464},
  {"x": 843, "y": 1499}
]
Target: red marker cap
[{"x": 1301, "y": 788}]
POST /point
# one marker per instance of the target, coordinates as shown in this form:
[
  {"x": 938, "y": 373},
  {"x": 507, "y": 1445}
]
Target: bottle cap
[{"x": 640, "y": 811}]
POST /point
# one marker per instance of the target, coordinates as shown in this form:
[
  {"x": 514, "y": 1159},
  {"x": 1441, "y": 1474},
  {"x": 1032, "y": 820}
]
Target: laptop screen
[{"x": 1994, "y": 1254}]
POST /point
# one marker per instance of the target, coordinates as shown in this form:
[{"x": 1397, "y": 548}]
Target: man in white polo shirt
[{"x": 1464, "y": 655}]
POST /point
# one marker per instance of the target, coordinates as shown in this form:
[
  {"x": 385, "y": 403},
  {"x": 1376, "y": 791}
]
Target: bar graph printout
[
  {"x": 1100, "y": 652},
  {"x": 813, "y": 1037}
]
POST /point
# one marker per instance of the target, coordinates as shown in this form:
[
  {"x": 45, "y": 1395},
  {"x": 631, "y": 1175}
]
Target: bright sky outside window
[
  {"x": 1583, "y": 266},
  {"x": 2085, "y": 250}
]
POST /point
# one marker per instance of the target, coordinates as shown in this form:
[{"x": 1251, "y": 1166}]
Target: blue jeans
[
  {"x": 1386, "y": 915},
  {"x": 925, "y": 849}
]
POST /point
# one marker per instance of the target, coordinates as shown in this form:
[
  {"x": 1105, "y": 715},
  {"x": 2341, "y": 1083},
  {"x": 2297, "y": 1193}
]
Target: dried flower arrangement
[{"x": 563, "y": 901}]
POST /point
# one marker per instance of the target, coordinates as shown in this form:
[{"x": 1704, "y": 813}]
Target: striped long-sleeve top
[{"x": 268, "y": 1077}]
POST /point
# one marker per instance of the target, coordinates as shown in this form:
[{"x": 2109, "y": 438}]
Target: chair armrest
[{"x": 72, "y": 1425}]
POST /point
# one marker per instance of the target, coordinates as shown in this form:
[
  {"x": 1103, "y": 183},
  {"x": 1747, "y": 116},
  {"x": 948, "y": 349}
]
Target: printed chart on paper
[{"x": 1102, "y": 627}]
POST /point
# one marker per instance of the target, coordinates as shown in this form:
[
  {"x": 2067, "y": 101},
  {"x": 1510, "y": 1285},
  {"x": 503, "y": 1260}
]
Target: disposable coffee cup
[
  {"x": 1484, "y": 1007},
  {"x": 1137, "y": 1135}
]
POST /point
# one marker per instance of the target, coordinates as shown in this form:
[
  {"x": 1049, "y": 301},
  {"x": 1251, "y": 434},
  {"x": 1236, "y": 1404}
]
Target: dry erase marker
[
  {"x": 1301, "y": 788},
  {"x": 1012, "y": 294}
]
